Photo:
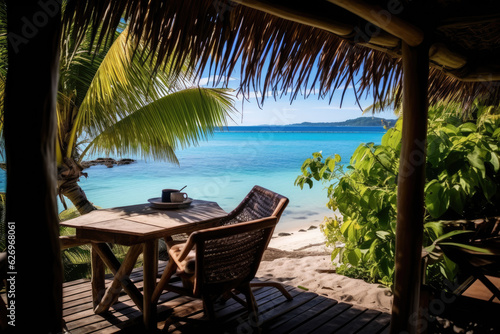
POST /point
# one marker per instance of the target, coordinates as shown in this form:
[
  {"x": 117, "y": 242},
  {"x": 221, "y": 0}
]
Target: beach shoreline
[
  {"x": 295, "y": 239},
  {"x": 301, "y": 259}
]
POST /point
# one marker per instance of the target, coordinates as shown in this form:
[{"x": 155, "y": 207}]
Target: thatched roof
[{"x": 280, "y": 42}]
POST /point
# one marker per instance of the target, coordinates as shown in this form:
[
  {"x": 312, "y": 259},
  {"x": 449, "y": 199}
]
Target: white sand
[
  {"x": 302, "y": 259},
  {"x": 310, "y": 238}
]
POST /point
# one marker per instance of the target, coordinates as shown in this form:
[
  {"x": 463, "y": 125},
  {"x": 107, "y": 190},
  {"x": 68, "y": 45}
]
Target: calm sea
[{"x": 227, "y": 166}]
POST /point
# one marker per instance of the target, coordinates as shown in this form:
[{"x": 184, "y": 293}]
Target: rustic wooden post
[
  {"x": 411, "y": 182},
  {"x": 98, "y": 276},
  {"x": 121, "y": 279},
  {"x": 150, "y": 269},
  {"x": 33, "y": 34},
  {"x": 122, "y": 274}
]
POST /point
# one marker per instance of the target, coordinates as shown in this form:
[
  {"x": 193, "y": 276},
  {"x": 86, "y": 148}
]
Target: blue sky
[{"x": 310, "y": 109}]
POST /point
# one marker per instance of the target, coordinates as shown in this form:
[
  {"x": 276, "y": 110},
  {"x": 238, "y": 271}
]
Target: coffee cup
[
  {"x": 165, "y": 195},
  {"x": 178, "y": 197}
]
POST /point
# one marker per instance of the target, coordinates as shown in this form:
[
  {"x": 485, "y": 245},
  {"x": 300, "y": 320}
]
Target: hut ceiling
[{"x": 349, "y": 42}]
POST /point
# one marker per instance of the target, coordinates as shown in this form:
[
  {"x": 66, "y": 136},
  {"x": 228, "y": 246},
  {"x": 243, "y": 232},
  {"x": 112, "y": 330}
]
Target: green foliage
[
  {"x": 68, "y": 214},
  {"x": 463, "y": 166},
  {"x": 462, "y": 178},
  {"x": 112, "y": 101}
]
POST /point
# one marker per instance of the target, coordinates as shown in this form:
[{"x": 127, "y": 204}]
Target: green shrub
[{"x": 462, "y": 171}]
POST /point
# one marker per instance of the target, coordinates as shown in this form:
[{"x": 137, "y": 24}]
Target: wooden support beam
[
  {"x": 98, "y": 282},
  {"x": 440, "y": 54},
  {"x": 383, "y": 18},
  {"x": 121, "y": 279},
  {"x": 30, "y": 126},
  {"x": 303, "y": 17},
  {"x": 451, "y": 62},
  {"x": 305, "y": 14},
  {"x": 480, "y": 74},
  {"x": 69, "y": 241},
  {"x": 411, "y": 182},
  {"x": 121, "y": 271}
]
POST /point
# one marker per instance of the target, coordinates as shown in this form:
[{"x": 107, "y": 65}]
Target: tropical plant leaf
[
  {"x": 468, "y": 247},
  {"x": 451, "y": 234},
  {"x": 437, "y": 198},
  {"x": 176, "y": 120},
  {"x": 121, "y": 85},
  {"x": 461, "y": 175}
]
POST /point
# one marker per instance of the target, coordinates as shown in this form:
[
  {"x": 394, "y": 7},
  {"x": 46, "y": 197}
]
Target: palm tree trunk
[
  {"x": 77, "y": 196},
  {"x": 68, "y": 176}
]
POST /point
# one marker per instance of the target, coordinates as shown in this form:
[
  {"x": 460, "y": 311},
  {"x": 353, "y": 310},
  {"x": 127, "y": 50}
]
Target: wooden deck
[{"x": 306, "y": 313}]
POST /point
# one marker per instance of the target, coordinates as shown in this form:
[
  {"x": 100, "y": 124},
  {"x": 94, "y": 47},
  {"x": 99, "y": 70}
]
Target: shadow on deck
[
  {"x": 306, "y": 313},
  {"x": 475, "y": 311}
]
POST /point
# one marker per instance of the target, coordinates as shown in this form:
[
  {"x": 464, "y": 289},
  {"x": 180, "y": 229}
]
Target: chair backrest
[
  {"x": 229, "y": 255},
  {"x": 259, "y": 203},
  {"x": 486, "y": 235}
]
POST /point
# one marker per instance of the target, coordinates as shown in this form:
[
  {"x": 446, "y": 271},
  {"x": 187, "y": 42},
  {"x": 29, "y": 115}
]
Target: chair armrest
[
  {"x": 228, "y": 230},
  {"x": 171, "y": 243},
  {"x": 178, "y": 258}
]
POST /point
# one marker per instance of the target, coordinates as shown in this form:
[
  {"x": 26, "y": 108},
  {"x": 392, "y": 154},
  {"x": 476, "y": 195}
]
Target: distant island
[
  {"x": 359, "y": 124},
  {"x": 360, "y": 121}
]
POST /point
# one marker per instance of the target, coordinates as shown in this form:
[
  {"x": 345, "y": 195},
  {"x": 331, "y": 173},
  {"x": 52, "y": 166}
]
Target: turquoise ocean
[{"x": 225, "y": 168}]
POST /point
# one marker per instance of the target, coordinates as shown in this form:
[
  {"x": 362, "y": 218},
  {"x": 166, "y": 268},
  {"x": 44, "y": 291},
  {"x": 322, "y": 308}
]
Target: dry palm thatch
[{"x": 276, "y": 55}]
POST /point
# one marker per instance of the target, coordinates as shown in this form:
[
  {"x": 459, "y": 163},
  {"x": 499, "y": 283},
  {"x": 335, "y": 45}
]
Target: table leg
[
  {"x": 97, "y": 278},
  {"x": 150, "y": 262},
  {"x": 122, "y": 272}
]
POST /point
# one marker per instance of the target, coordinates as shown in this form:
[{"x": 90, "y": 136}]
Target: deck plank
[
  {"x": 338, "y": 321},
  {"x": 301, "y": 314},
  {"x": 233, "y": 313},
  {"x": 273, "y": 306},
  {"x": 359, "y": 322},
  {"x": 386, "y": 330},
  {"x": 287, "y": 306},
  {"x": 376, "y": 325},
  {"x": 306, "y": 313},
  {"x": 321, "y": 318}
]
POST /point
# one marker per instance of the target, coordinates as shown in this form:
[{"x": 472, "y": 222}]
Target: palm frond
[
  {"x": 176, "y": 120},
  {"x": 121, "y": 85}
]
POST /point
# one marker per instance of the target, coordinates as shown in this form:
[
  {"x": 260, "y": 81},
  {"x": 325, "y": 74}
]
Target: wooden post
[
  {"x": 150, "y": 269},
  {"x": 411, "y": 182},
  {"x": 120, "y": 270},
  {"x": 377, "y": 15},
  {"x": 33, "y": 35},
  {"x": 97, "y": 279},
  {"x": 120, "y": 280}
]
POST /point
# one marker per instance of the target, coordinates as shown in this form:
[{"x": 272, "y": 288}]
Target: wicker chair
[
  {"x": 216, "y": 261},
  {"x": 477, "y": 265}
]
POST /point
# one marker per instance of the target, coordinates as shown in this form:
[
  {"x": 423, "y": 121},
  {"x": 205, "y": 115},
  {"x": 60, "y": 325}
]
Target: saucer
[{"x": 158, "y": 204}]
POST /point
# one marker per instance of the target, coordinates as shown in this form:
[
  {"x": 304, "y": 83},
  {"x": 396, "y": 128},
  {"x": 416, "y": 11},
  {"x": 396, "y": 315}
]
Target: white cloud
[
  {"x": 209, "y": 80},
  {"x": 348, "y": 87},
  {"x": 252, "y": 95},
  {"x": 336, "y": 108},
  {"x": 269, "y": 93}
]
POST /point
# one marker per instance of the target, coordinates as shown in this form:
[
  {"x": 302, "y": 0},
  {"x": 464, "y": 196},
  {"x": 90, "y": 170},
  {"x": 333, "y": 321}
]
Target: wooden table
[{"x": 139, "y": 226}]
